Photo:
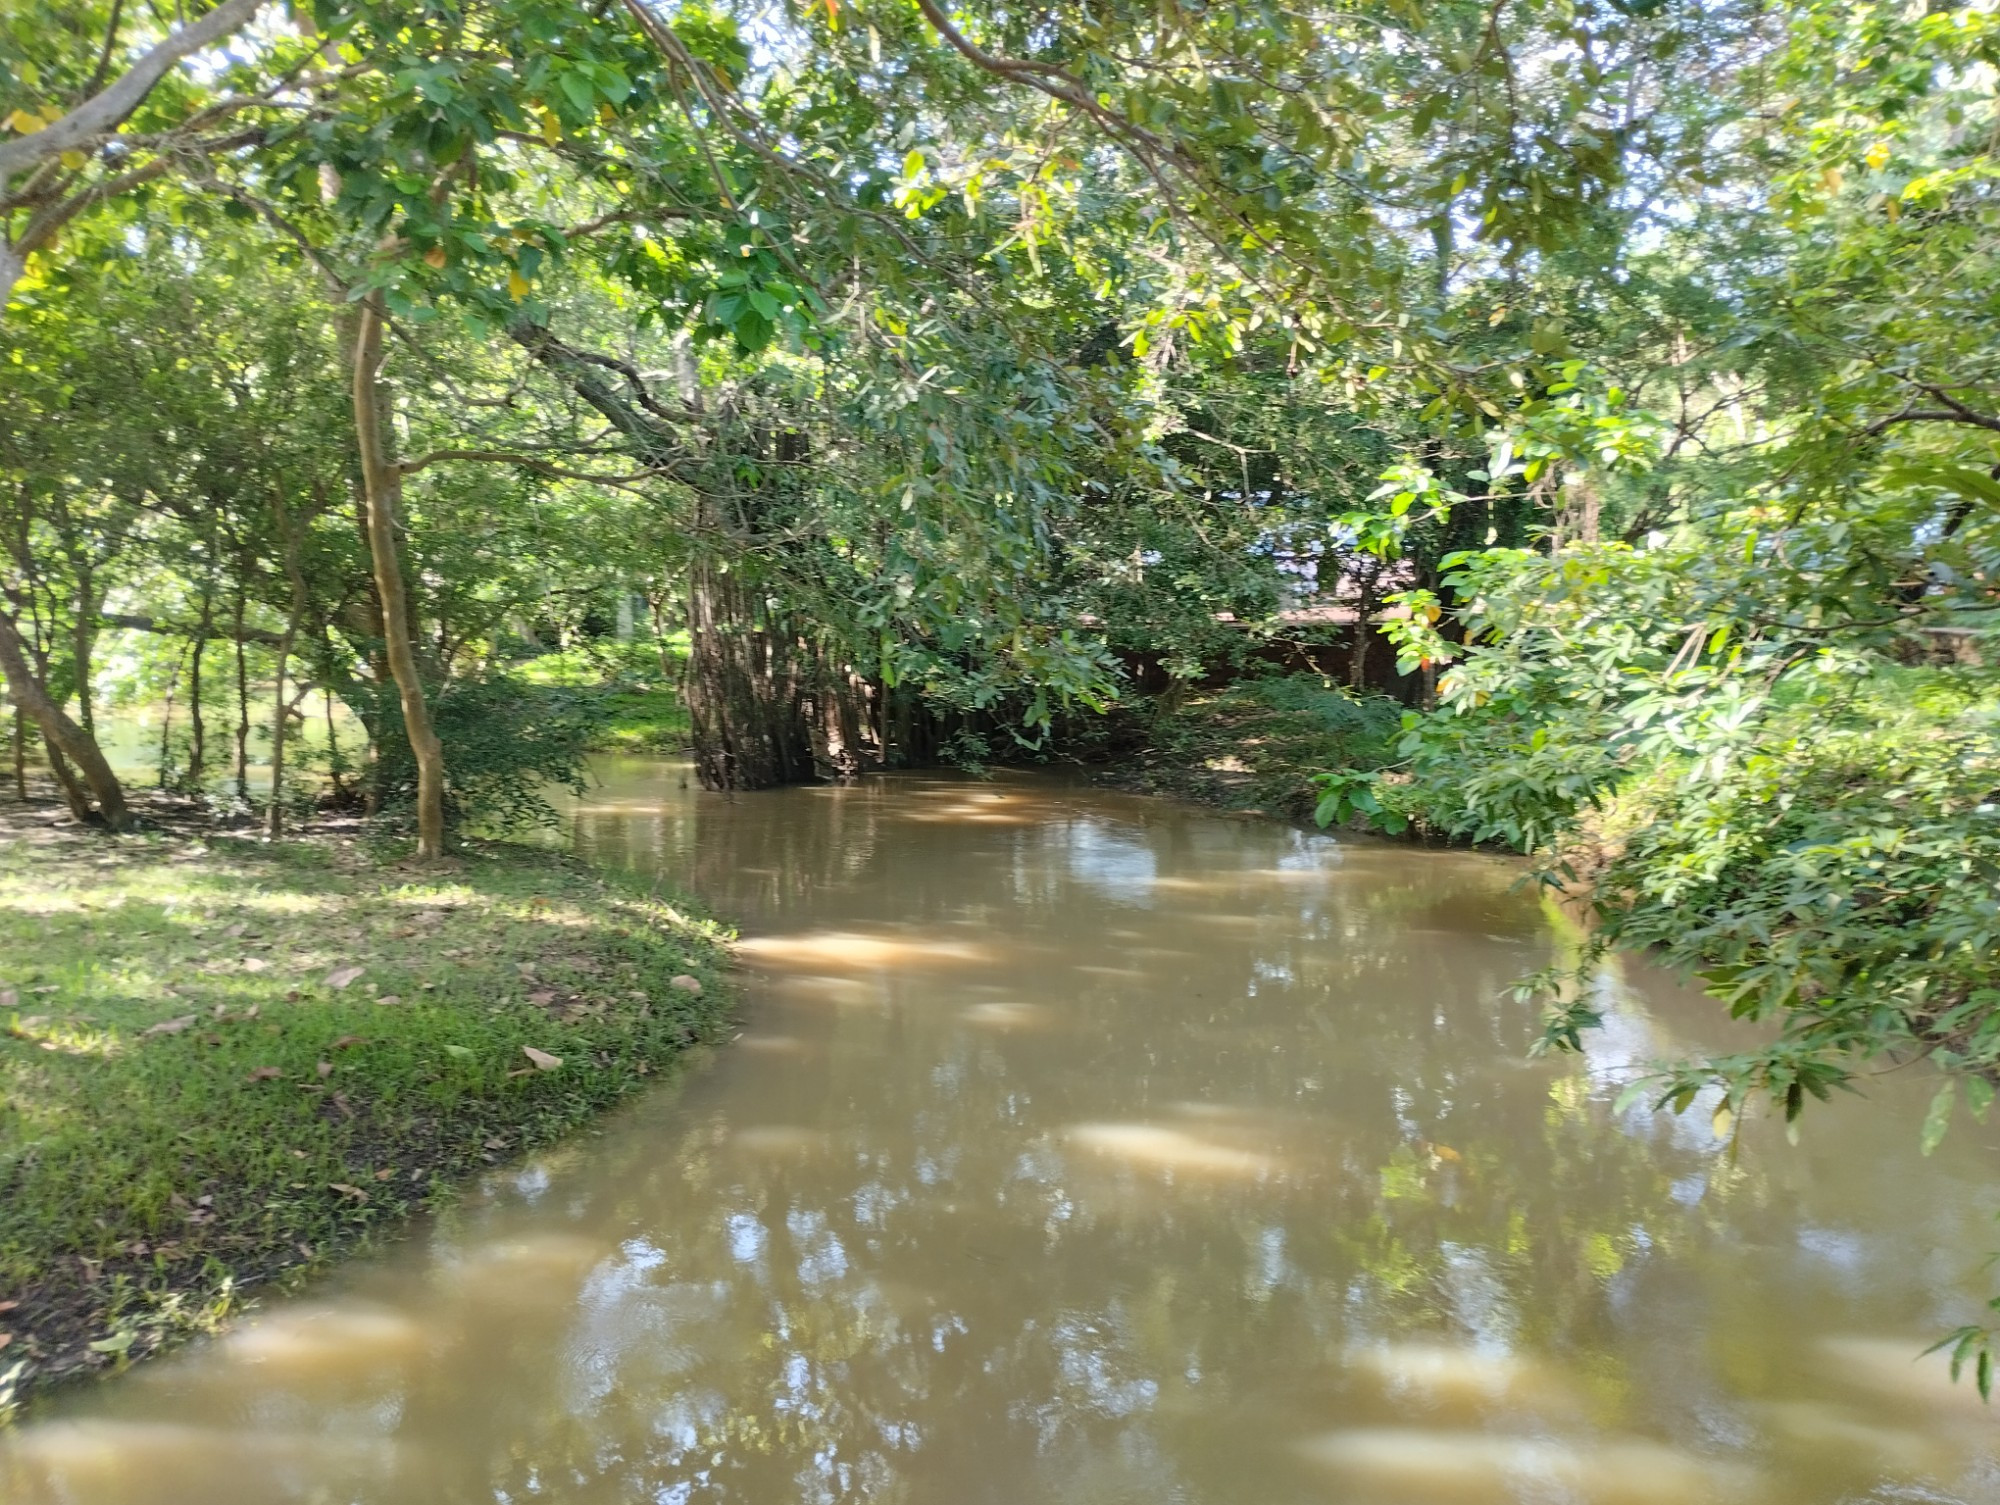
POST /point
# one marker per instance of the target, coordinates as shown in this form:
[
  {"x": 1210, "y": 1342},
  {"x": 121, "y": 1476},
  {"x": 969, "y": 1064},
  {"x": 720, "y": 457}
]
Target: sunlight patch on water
[
  {"x": 1151, "y": 1147},
  {"x": 1822, "y": 1426},
  {"x": 1010, "y": 1016},
  {"x": 1453, "y": 1375},
  {"x": 851, "y": 948},
  {"x": 545, "y": 1265},
  {"x": 1473, "y": 1468},
  {"x": 1891, "y": 1369},
  {"x": 167, "y": 1464},
  {"x": 312, "y": 1340},
  {"x": 781, "y": 1140}
]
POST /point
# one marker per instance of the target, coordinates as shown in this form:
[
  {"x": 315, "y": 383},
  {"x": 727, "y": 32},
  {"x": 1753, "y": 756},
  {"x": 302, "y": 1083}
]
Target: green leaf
[{"x": 581, "y": 92}]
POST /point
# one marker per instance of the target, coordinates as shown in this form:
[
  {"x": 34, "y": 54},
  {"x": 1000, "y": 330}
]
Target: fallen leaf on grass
[
  {"x": 349, "y": 1191},
  {"x": 542, "y": 996},
  {"x": 686, "y": 984},
  {"x": 9, "y": 998},
  {"x": 5, "y": 1339},
  {"x": 264, "y": 1074},
  {"x": 254, "y": 964},
  {"x": 340, "y": 977},
  {"x": 542, "y": 1059},
  {"x": 8, "y": 1306},
  {"x": 384, "y": 1175},
  {"x": 496, "y": 1143},
  {"x": 168, "y": 1026},
  {"x": 237, "y": 929},
  {"x": 387, "y": 998},
  {"x": 325, "y": 1069},
  {"x": 346, "y": 1040}
]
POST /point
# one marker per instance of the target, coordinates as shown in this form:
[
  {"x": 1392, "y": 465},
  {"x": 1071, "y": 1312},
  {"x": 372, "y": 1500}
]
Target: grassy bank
[
  {"x": 1258, "y": 744},
  {"x": 637, "y": 706},
  {"x": 223, "y": 1061}
]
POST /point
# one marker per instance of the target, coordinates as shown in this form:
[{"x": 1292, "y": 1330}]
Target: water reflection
[{"x": 1084, "y": 1149}]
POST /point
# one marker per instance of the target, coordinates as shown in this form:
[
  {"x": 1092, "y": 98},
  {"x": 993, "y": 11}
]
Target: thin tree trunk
[
  {"x": 1364, "y": 634},
  {"x": 333, "y": 749},
  {"x": 197, "y": 764},
  {"x": 281, "y": 713},
  {"x": 382, "y": 484},
  {"x": 242, "y": 769},
  {"x": 660, "y": 638},
  {"x": 20, "y": 754},
  {"x": 167, "y": 724},
  {"x": 280, "y": 716},
  {"x": 66, "y": 740},
  {"x": 82, "y": 639}
]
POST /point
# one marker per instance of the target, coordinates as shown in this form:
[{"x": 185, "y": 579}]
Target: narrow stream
[{"x": 1091, "y": 1150}]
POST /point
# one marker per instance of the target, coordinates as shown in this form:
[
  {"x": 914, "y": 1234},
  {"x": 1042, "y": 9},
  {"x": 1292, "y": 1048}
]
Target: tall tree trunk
[
  {"x": 288, "y": 542},
  {"x": 167, "y": 724},
  {"x": 382, "y": 484},
  {"x": 83, "y": 640},
  {"x": 655, "y": 599},
  {"x": 743, "y": 687},
  {"x": 73, "y": 792},
  {"x": 280, "y": 716},
  {"x": 333, "y": 749},
  {"x": 20, "y": 753},
  {"x": 67, "y": 741},
  {"x": 242, "y": 768},
  {"x": 197, "y": 765}
]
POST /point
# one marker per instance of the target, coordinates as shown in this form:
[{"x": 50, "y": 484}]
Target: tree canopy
[{"x": 1631, "y": 363}]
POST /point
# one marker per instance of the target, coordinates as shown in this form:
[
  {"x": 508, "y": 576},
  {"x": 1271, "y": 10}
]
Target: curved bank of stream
[{"x": 1084, "y": 1148}]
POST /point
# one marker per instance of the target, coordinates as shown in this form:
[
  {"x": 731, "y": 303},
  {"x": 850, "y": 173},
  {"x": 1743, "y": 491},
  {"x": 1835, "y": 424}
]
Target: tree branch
[
  {"x": 104, "y": 112},
  {"x": 1956, "y": 413},
  {"x": 526, "y": 462},
  {"x": 180, "y": 630}
]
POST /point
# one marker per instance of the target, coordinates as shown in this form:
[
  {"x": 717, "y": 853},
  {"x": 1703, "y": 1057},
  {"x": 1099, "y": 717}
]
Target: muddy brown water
[{"x": 1084, "y": 1149}]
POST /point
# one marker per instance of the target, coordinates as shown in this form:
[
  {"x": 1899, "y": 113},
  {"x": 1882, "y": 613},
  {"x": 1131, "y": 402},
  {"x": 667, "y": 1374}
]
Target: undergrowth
[{"x": 1260, "y": 744}]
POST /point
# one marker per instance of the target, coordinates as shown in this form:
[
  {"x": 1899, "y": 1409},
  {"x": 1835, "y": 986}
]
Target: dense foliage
[{"x": 1632, "y": 366}]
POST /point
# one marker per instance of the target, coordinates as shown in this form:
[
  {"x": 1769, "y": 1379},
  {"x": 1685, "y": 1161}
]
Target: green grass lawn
[
  {"x": 641, "y": 709},
  {"x": 222, "y": 1060}
]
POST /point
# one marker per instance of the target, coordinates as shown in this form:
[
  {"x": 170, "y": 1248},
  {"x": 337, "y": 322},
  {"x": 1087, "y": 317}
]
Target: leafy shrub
[
  {"x": 505, "y": 744},
  {"x": 1264, "y": 742}
]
